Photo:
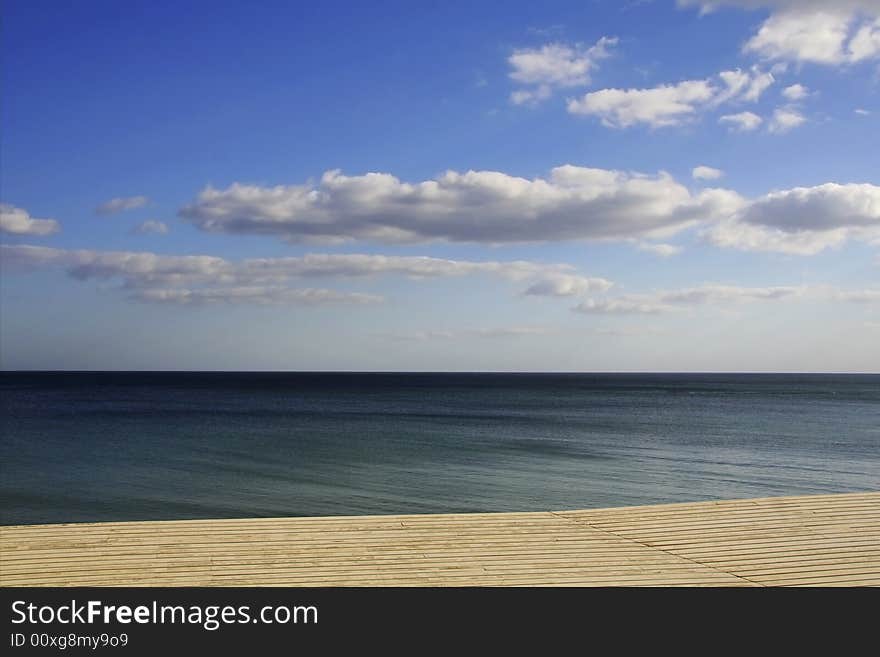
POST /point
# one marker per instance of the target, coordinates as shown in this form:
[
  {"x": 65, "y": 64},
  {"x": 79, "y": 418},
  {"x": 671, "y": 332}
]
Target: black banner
[{"x": 152, "y": 620}]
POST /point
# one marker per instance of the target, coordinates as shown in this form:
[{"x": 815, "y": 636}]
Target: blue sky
[{"x": 567, "y": 186}]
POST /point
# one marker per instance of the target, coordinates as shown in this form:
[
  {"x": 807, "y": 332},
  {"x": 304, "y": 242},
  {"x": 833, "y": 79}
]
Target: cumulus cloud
[
  {"x": 795, "y": 92},
  {"x": 477, "y": 206},
  {"x": 802, "y": 220},
  {"x": 742, "y": 121},
  {"x": 824, "y": 207},
  {"x": 706, "y": 173},
  {"x": 18, "y": 221},
  {"x": 817, "y": 31},
  {"x": 177, "y": 278},
  {"x": 552, "y": 66},
  {"x": 150, "y": 227},
  {"x": 671, "y": 104},
  {"x": 824, "y": 37},
  {"x": 573, "y": 203},
  {"x": 121, "y": 204},
  {"x": 666, "y": 105},
  {"x": 785, "y": 119}
]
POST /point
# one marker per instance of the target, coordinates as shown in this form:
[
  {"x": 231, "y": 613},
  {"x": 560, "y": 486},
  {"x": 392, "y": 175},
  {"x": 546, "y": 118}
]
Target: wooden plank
[{"x": 807, "y": 540}]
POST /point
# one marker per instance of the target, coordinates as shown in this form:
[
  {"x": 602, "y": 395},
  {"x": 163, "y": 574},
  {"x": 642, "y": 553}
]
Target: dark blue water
[{"x": 133, "y": 446}]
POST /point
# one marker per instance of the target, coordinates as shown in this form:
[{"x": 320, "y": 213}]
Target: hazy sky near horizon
[{"x": 567, "y": 186}]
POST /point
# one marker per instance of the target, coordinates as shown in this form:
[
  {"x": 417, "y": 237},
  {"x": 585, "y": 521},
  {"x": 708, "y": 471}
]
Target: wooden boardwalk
[{"x": 784, "y": 541}]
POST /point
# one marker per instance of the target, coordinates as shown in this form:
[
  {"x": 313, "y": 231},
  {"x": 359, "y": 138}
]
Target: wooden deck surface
[{"x": 783, "y": 541}]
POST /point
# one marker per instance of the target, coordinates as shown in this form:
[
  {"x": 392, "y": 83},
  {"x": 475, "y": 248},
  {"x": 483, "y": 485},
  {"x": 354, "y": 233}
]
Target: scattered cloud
[
  {"x": 662, "y": 250},
  {"x": 671, "y": 104},
  {"x": 177, "y": 277},
  {"x": 707, "y": 294},
  {"x": 566, "y": 285},
  {"x": 121, "y": 204},
  {"x": 573, "y": 203},
  {"x": 742, "y": 121},
  {"x": 706, "y": 173},
  {"x": 760, "y": 83},
  {"x": 785, "y": 119},
  {"x": 253, "y": 295},
  {"x": 795, "y": 92},
  {"x": 858, "y": 296},
  {"x": 150, "y": 227},
  {"x": 823, "y": 207},
  {"x": 554, "y": 66},
  {"x": 628, "y": 331},
  {"x": 802, "y": 220},
  {"x": 861, "y": 112},
  {"x": 669, "y": 301},
  {"x": 510, "y": 331},
  {"x": 816, "y": 31},
  {"x": 822, "y": 37},
  {"x": 18, "y": 221},
  {"x": 489, "y": 207},
  {"x": 666, "y": 105},
  {"x": 489, "y": 333}
]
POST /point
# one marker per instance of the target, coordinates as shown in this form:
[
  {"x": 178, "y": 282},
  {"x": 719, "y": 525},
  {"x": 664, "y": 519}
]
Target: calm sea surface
[{"x": 88, "y": 447}]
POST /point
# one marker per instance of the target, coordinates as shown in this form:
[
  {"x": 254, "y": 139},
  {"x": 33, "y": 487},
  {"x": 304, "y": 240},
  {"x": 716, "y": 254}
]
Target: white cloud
[
  {"x": 166, "y": 273},
  {"x": 802, "y": 220},
  {"x": 121, "y": 204},
  {"x": 824, "y": 207},
  {"x": 566, "y": 285},
  {"x": 862, "y": 112},
  {"x": 817, "y": 31},
  {"x": 18, "y": 221},
  {"x": 662, "y": 250},
  {"x": 759, "y": 83},
  {"x": 795, "y": 92},
  {"x": 743, "y": 86},
  {"x": 553, "y": 66},
  {"x": 865, "y": 43},
  {"x": 734, "y": 234},
  {"x": 666, "y": 105},
  {"x": 669, "y": 301},
  {"x": 621, "y": 306},
  {"x": 671, "y": 104},
  {"x": 490, "y": 333},
  {"x": 742, "y": 121},
  {"x": 573, "y": 203},
  {"x": 815, "y": 36},
  {"x": 509, "y": 331},
  {"x": 858, "y": 296},
  {"x": 708, "y": 294},
  {"x": 706, "y": 173},
  {"x": 476, "y": 206},
  {"x": 713, "y": 294},
  {"x": 785, "y": 119},
  {"x": 253, "y": 295},
  {"x": 150, "y": 227}
]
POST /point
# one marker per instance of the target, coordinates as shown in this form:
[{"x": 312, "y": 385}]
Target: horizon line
[{"x": 573, "y": 372}]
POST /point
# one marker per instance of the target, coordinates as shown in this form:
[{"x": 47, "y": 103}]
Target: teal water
[{"x": 133, "y": 446}]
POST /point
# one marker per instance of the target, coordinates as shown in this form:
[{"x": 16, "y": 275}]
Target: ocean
[{"x": 79, "y": 447}]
